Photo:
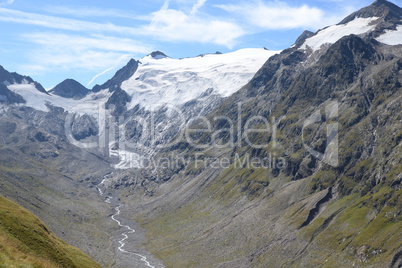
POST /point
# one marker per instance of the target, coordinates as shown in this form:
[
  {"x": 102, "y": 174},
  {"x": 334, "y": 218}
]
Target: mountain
[
  {"x": 26, "y": 240},
  {"x": 70, "y": 88},
  {"x": 316, "y": 182},
  {"x": 152, "y": 88},
  {"x": 8, "y": 78},
  {"x": 49, "y": 163}
]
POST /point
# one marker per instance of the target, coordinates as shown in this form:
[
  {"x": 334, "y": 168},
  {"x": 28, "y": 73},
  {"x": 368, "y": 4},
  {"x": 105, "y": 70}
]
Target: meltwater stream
[{"x": 132, "y": 257}]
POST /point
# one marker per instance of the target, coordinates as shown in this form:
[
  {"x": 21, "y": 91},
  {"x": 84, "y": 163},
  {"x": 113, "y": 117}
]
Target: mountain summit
[
  {"x": 70, "y": 88},
  {"x": 382, "y": 21},
  {"x": 380, "y": 8},
  {"x": 158, "y": 55}
]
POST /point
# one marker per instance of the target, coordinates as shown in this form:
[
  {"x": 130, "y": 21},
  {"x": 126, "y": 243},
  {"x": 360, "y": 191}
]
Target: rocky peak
[
  {"x": 121, "y": 75},
  {"x": 300, "y": 40},
  {"x": 70, "y": 88},
  {"x": 380, "y": 8},
  {"x": 158, "y": 55}
]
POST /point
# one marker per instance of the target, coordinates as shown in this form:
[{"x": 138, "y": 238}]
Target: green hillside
[{"x": 25, "y": 241}]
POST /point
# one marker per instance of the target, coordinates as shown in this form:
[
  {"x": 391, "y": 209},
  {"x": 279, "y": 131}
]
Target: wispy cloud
[
  {"x": 17, "y": 16},
  {"x": 165, "y": 24},
  {"x": 88, "y": 11},
  {"x": 279, "y": 15},
  {"x": 7, "y": 2},
  {"x": 98, "y": 75},
  {"x": 84, "y": 42},
  {"x": 197, "y": 6},
  {"x": 63, "y": 51}
]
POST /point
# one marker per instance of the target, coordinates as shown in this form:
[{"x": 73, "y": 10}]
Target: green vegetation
[{"x": 25, "y": 241}]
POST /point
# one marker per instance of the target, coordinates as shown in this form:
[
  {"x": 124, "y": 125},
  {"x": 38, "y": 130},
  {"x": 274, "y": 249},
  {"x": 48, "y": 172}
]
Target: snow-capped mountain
[
  {"x": 8, "y": 81},
  {"x": 163, "y": 94},
  {"x": 382, "y": 21},
  {"x": 156, "y": 80},
  {"x": 161, "y": 80},
  {"x": 159, "y": 88}
]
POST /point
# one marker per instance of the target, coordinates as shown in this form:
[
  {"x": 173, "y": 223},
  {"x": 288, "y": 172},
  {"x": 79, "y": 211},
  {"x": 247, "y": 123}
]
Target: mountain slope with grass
[{"x": 25, "y": 241}]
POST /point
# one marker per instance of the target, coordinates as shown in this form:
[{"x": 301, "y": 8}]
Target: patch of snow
[
  {"x": 333, "y": 33},
  {"x": 34, "y": 98},
  {"x": 391, "y": 38},
  {"x": 127, "y": 159},
  {"x": 176, "y": 81}
]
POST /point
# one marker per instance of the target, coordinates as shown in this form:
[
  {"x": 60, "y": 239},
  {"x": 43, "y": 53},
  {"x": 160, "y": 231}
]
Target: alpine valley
[{"x": 254, "y": 158}]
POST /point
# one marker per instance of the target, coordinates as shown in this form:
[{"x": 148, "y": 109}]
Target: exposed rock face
[
  {"x": 121, "y": 75},
  {"x": 158, "y": 55},
  {"x": 306, "y": 34},
  {"x": 70, "y": 88},
  {"x": 7, "y": 96},
  {"x": 83, "y": 127}
]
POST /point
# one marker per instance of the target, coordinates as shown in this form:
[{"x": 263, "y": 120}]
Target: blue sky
[{"x": 89, "y": 40}]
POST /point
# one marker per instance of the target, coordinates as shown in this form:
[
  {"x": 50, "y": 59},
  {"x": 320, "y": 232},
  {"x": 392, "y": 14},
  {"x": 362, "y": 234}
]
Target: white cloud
[
  {"x": 280, "y": 15},
  {"x": 174, "y": 25}
]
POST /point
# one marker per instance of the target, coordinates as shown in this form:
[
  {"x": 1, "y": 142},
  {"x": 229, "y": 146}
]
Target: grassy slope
[{"x": 25, "y": 241}]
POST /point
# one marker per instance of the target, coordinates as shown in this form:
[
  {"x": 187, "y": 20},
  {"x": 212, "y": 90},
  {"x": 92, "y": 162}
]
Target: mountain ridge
[{"x": 15, "y": 78}]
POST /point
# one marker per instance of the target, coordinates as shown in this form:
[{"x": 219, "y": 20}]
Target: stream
[{"x": 125, "y": 257}]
